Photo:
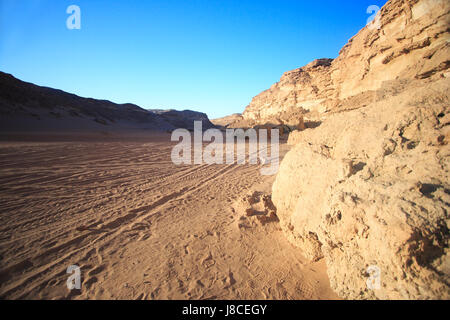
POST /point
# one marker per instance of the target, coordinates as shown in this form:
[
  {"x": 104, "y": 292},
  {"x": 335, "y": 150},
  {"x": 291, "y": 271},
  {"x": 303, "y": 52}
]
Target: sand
[{"x": 139, "y": 227}]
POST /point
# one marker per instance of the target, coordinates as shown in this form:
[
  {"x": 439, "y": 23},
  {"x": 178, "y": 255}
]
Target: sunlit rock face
[
  {"x": 408, "y": 40},
  {"x": 369, "y": 187}
]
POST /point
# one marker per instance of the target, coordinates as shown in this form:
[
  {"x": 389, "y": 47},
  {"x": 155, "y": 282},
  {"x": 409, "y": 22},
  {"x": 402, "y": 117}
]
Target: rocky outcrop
[
  {"x": 410, "y": 43},
  {"x": 303, "y": 89},
  {"x": 369, "y": 188},
  {"x": 227, "y": 120},
  {"x": 256, "y": 208},
  {"x": 184, "y": 119}
]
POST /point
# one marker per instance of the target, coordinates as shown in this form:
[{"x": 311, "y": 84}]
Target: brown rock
[
  {"x": 370, "y": 186},
  {"x": 412, "y": 43},
  {"x": 374, "y": 198}
]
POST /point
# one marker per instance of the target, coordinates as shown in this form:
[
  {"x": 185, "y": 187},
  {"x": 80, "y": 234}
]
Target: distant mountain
[
  {"x": 227, "y": 120},
  {"x": 184, "y": 119},
  {"x": 25, "y": 107}
]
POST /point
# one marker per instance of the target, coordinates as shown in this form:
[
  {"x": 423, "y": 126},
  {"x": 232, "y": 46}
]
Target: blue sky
[{"x": 210, "y": 56}]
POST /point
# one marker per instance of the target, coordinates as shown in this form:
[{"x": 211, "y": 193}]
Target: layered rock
[
  {"x": 410, "y": 43},
  {"x": 370, "y": 186},
  {"x": 304, "y": 89}
]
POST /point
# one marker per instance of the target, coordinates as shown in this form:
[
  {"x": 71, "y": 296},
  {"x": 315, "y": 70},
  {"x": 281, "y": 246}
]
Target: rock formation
[
  {"x": 300, "y": 90},
  {"x": 227, "y": 120},
  {"x": 370, "y": 187},
  {"x": 256, "y": 208},
  {"x": 184, "y": 119},
  {"x": 411, "y": 43}
]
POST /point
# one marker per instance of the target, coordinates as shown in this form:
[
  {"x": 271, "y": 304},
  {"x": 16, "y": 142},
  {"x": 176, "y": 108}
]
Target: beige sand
[{"x": 139, "y": 227}]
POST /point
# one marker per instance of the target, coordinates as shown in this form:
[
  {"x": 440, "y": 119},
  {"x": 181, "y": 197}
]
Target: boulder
[{"x": 371, "y": 187}]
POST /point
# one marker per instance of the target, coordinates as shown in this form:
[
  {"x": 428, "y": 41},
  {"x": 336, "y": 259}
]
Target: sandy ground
[{"x": 139, "y": 227}]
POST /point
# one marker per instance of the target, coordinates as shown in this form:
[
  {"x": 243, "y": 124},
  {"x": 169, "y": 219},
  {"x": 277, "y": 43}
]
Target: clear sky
[{"x": 207, "y": 55}]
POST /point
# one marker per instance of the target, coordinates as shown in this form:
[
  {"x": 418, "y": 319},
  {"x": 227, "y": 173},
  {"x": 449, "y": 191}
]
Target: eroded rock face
[
  {"x": 411, "y": 43},
  {"x": 301, "y": 89},
  {"x": 370, "y": 185}
]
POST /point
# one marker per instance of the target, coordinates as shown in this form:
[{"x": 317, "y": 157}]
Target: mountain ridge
[{"x": 28, "y": 107}]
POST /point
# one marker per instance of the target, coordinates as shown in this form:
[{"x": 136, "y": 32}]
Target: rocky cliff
[
  {"x": 369, "y": 188},
  {"x": 408, "y": 40}
]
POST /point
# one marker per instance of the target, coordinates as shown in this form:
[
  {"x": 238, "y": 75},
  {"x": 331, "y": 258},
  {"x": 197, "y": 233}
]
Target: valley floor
[{"x": 139, "y": 227}]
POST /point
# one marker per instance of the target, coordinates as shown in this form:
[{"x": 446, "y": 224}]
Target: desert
[
  {"x": 331, "y": 184},
  {"x": 146, "y": 229}
]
